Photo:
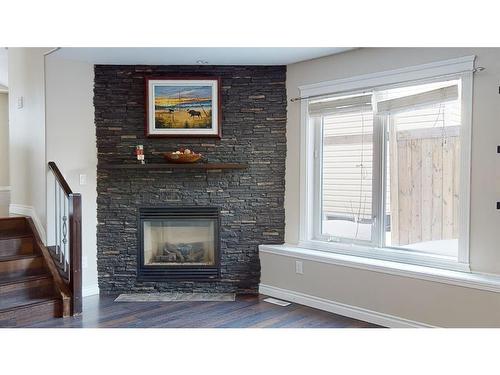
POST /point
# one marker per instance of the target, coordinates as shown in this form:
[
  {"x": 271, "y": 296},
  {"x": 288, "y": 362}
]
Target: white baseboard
[
  {"x": 354, "y": 312},
  {"x": 20, "y": 209},
  {"x": 90, "y": 290}
]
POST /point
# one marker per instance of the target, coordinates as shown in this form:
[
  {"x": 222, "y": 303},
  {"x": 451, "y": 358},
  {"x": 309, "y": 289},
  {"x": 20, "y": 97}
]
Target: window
[
  {"x": 345, "y": 172},
  {"x": 388, "y": 170}
]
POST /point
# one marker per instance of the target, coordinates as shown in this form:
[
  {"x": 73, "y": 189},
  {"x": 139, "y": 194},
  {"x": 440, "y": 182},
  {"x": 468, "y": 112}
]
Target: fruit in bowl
[{"x": 182, "y": 156}]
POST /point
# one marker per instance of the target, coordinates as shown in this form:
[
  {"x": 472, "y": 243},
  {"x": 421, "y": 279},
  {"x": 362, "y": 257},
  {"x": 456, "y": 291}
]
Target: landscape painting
[{"x": 183, "y": 107}]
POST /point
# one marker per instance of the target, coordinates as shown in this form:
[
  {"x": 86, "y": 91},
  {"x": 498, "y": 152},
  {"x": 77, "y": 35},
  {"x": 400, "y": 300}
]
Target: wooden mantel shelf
[{"x": 159, "y": 166}]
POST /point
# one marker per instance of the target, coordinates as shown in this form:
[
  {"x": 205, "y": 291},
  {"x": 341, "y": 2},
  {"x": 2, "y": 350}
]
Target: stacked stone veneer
[{"x": 251, "y": 200}]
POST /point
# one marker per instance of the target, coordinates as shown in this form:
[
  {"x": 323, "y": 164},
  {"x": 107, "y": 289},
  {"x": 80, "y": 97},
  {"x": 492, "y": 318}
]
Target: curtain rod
[{"x": 299, "y": 98}]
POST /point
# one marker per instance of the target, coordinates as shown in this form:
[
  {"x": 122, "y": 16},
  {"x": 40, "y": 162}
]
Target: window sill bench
[{"x": 463, "y": 279}]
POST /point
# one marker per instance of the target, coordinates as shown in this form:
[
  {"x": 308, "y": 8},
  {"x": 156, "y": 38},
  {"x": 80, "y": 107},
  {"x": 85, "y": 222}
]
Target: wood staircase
[
  {"x": 38, "y": 283},
  {"x": 29, "y": 290}
]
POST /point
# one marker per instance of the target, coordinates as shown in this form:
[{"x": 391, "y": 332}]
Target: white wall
[
  {"x": 4, "y": 68},
  {"x": 71, "y": 144},
  {"x": 377, "y": 291},
  {"x": 4, "y": 161},
  {"x": 61, "y": 130},
  {"x": 422, "y": 301},
  {"x": 27, "y": 132},
  {"x": 485, "y": 186},
  {"x": 4, "y": 138}
]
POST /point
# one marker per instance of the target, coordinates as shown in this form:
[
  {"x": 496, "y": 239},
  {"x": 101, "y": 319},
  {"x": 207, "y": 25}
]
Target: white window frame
[{"x": 456, "y": 68}]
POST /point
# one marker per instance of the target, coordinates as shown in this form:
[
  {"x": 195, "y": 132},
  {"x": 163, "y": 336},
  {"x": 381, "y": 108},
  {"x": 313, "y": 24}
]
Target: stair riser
[
  {"x": 13, "y": 223},
  {"x": 31, "y": 314},
  {"x": 27, "y": 288},
  {"x": 16, "y": 246},
  {"x": 20, "y": 265}
]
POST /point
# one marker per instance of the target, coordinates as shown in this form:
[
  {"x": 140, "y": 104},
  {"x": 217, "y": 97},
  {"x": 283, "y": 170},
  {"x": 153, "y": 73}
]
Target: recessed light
[{"x": 202, "y": 62}]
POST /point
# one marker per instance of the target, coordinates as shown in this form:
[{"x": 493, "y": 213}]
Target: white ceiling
[{"x": 191, "y": 55}]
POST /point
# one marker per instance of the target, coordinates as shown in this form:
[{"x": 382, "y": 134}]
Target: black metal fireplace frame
[{"x": 180, "y": 272}]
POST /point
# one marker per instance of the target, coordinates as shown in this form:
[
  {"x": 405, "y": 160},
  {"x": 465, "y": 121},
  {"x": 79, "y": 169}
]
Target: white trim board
[
  {"x": 90, "y": 290},
  {"x": 390, "y": 254},
  {"x": 20, "y": 209},
  {"x": 4, "y": 188},
  {"x": 438, "y": 68},
  {"x": 350, "y": 311},
  {"x": 464, "y": 279}
]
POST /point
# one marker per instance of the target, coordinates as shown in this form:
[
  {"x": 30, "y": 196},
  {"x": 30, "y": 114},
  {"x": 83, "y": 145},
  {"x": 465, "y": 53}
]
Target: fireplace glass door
[{"x": 178, "y": 242}]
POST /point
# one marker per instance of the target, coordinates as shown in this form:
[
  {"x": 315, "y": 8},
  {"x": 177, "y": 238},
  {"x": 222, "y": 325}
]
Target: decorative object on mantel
[
  {"x": 182, "y": 156},
  {"x": 139, "y": 152},
  {"x": 181, "y": 107},
  {"x": 172, "y": 297}
]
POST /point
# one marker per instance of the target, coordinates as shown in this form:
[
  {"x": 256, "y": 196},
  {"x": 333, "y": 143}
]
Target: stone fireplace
[
  {"x": 250, "y": 202},
  {"x": 179, "y": 243}
]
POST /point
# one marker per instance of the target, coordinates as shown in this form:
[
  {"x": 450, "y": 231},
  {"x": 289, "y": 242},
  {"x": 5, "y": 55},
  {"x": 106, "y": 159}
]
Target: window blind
[
  {"x": 332, "y": 106},
  {"x": 424, "y": 99}
]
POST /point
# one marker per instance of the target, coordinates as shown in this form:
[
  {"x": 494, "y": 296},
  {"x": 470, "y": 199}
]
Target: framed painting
[{"x": 183, "y": 107}]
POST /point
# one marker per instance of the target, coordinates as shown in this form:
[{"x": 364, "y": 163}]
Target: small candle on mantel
[{"x": 139, "y": 151}]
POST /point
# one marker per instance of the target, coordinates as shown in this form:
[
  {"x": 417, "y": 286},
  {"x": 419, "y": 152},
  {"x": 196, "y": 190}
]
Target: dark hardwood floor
[{"x": 246, "y": 311}]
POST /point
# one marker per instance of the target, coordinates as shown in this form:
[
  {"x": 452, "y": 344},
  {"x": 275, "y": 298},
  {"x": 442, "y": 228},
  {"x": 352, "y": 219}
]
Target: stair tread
[
  {"x": 7, "y": 304},
  {"x": 27, "y": 275}
]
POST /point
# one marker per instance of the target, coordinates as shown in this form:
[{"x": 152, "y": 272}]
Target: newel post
[{"x": 75, "y": 245}]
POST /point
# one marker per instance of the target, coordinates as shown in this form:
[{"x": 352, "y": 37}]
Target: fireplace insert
[{"x": 178, "y": 243}]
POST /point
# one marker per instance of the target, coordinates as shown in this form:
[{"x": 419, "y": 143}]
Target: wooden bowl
[{"x": 172, "y": 157}]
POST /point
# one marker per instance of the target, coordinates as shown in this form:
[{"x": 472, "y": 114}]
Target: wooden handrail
[
  {"x": 74, "y": 229},
  {"x": 59, "y": 177}
]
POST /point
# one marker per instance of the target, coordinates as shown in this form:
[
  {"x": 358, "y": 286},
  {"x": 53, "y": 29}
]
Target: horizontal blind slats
[
  {"x": 335, "y": 106},
  {"x": 428, "y": 98}
]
